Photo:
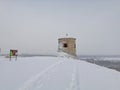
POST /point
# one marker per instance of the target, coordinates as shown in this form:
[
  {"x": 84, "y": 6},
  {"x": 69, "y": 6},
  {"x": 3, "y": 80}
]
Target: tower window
[{"x": 65, "y": 45}]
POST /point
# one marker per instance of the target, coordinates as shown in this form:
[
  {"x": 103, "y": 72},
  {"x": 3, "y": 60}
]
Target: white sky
[{"x": 33, "y": 26}]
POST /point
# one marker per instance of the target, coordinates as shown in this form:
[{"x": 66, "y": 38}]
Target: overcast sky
[{"x": 33, "y": 26}]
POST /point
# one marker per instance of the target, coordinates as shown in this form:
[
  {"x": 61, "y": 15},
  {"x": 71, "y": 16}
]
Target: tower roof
[{"x": 67, "y": 38}]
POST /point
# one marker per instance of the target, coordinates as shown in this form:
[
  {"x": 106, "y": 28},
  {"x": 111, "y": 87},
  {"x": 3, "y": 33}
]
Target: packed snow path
[
  {"x": 55, "y": 73},
  {"x": 44, "y": 79}
]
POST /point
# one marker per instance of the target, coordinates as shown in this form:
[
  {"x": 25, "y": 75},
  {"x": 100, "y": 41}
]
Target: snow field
[{"x": 55, "y": 73}]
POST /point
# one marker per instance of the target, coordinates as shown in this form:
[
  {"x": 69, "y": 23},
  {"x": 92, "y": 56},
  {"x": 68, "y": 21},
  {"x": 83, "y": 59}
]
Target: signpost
[{"x": 13, "y": 53}]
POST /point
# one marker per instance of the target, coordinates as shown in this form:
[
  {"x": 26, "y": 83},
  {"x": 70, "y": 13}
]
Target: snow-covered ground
[
  {"x": 101, "y": 58},
  {"x": 55, "y": 73},
  {"x": 112, "y": 59}
]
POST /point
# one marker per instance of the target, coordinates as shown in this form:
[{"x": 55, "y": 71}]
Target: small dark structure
[{"x": 13, "y": 53}]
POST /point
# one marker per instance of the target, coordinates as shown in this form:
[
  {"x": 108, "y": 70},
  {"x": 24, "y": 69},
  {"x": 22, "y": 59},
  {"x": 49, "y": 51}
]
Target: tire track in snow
[
  {"x": 74, "y": 84},
  {"x": 37, "y": 80}
]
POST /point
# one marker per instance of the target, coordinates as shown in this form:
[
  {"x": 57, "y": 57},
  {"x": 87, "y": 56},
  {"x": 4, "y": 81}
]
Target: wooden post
[
  {"x": 10, "y": 54},
  {"x": 16, "y": 57},
  {"x": 10, "y": 57},
  {"x": 16, "y": 54}
]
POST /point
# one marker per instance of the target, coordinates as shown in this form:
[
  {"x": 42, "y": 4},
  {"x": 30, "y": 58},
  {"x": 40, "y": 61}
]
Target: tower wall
[{"x": 67, "y": 45}]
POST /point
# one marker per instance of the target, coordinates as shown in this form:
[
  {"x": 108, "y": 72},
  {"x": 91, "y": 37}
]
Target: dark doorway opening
[{"x": 65, "y": 45}]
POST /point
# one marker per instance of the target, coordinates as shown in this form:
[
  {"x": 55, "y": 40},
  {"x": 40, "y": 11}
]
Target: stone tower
[{"x": 67, "y": 45}]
